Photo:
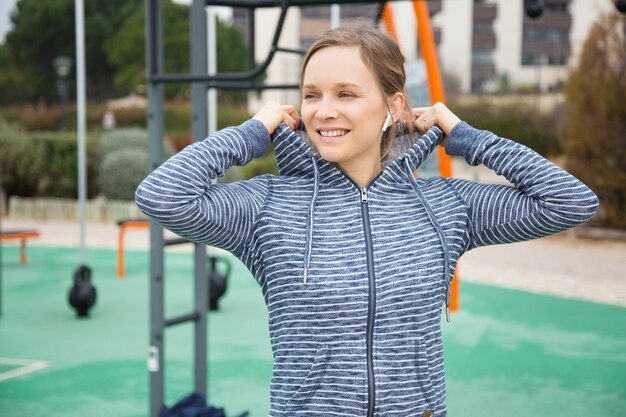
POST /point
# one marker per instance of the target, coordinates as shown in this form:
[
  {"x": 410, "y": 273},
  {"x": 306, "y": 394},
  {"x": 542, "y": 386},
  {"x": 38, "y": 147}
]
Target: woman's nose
[{"x": 326, "y": 110}]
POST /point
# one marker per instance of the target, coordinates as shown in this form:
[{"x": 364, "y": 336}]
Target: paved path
[{"x": 561, "y": 265}]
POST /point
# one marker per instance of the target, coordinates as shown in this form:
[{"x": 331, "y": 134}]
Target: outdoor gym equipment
[
  {"x": 201, "y": 81},
  {"x": 22, "y": 236},
  {"x": 218, "y": 283},
  {"x": 82, "y": 295}
]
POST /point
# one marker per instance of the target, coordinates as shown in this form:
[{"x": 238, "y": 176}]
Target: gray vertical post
[
  {"x": 154, "y": 65},
  {"x": 81, "y": 122},
  {"x": 251, "y": 37},
  {"x": 199, "y": 132}
]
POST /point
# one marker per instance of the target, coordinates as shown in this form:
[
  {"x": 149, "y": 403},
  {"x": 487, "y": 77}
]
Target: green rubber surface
[{"x": 508, "y": 353}]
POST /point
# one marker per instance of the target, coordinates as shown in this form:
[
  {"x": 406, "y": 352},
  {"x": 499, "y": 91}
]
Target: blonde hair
[{"x": 381, "y": 55}]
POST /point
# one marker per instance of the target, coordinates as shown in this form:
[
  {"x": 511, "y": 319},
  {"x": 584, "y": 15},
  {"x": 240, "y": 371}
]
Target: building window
[
  {"x": 546, "y": 41},
  {"x": 482, "y": 28},
  {"x": 482, "y": 56},
  {"x": 557, "y": 60},
  {"x": 556, "y": 36},
  {"x": 531, "y": 33},
  {"x": 315, "y": 12},
  {"x": 556, "y": 7},
  {"x": 348, "y": 11}
]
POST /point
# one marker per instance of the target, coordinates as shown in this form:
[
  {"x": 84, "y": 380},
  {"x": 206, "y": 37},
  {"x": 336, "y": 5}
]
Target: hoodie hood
[
  {"x": 297, "y": 158},
  {"x": 295, "y": 153}
]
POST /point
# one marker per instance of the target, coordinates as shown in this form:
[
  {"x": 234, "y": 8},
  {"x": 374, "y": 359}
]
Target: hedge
[
  {"x": 114, "y": 167},
  {"x": 121, "y": 172},
  {"x": 38, "y": 164},
  {"x": 518, "y": 121}
]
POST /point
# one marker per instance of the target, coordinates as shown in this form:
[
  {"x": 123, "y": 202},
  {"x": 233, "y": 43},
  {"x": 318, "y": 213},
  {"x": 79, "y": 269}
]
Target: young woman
[{"x": 354, "y": 256}]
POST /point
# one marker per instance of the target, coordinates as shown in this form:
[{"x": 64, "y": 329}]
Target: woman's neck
[{"x": 362, "y": 173}]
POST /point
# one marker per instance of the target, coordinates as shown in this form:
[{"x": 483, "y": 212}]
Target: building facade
[{"x": 486, "y": 45}]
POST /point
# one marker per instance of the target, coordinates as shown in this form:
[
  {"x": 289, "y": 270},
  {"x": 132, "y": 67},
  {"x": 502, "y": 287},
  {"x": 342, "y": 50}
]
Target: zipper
[{"x": 372, "y": 304}]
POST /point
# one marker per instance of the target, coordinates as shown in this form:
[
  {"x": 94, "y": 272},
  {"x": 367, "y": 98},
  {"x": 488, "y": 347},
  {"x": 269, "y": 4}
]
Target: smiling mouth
[{"x": 334, "y": 134}]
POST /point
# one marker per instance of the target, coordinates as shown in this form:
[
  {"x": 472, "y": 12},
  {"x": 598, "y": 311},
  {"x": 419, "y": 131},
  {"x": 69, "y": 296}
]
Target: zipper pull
[{"x": 364, "y": 195}]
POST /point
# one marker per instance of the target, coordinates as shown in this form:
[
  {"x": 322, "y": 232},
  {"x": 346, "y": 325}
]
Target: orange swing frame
[{"x": 436, "y": 90}]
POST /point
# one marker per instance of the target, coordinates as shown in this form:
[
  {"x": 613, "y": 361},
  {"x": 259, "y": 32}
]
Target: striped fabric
[{"x": 358, "y": 332}]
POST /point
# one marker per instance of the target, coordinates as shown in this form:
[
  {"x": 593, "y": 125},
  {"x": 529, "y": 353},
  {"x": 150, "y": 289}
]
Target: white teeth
[{"x": 332, "y": 133}]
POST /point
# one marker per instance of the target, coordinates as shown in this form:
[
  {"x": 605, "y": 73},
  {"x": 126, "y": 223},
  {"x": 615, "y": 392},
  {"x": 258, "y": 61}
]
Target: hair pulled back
[{"x": 381, "y": 55}]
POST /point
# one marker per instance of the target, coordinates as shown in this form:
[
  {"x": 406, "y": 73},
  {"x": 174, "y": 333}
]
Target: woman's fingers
[
  {"x": 424, "y": 118},
  {"x": 291, "y": 116},
  {"x": 437, "y": 114},
  {"x": 272, "y": 114},
  {"x": 418, "y": 111}
]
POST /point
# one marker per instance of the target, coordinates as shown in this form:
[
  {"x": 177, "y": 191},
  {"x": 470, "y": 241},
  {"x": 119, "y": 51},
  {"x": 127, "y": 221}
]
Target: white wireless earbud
[{"x": 387, "y": 120}]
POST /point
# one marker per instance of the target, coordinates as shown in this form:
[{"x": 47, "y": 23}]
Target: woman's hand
[
  {"x": 437, "y": 114},
  {"x": 272, "y": 114}
]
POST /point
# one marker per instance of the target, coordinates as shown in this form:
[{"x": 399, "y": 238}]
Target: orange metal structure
[
  {"x": 22, "y": 236},
  {"x": 436, "y": 90},
  {"x": 123, "y": 226}
]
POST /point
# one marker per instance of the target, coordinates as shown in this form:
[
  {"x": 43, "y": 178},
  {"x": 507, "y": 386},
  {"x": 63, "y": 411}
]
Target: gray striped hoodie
[{"x": 355, "y": 278}]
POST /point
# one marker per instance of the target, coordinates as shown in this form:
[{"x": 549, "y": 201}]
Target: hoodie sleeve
[
  {"x": 180, "y": 195},
  {"x": 544, "y": 200}
]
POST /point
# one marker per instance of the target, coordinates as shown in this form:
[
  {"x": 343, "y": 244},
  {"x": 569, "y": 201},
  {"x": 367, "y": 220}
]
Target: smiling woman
[
  {"x": 354, "y": 256},
  {"x": 343, "y": 109}
]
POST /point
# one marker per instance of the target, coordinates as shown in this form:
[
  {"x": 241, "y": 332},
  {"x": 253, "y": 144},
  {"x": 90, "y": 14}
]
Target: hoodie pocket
[
  {"x": 423, "y": 372},
  {"x": 313, "y": 380}
]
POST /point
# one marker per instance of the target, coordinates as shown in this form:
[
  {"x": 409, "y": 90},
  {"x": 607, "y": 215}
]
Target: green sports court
[{"x": 508, "y": 352}]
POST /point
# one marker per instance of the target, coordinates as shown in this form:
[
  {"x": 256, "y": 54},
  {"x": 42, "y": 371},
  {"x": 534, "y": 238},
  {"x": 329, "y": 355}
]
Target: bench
[
  {"x": 22, "y": 236},
  {"x": 123, "y": 226},
  {"x": 137, "y": 224}
]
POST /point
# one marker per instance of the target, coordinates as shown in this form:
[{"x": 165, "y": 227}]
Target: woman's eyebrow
[
  {"x": 337, "y": 86},
  {"x": 351, "y": 85}
]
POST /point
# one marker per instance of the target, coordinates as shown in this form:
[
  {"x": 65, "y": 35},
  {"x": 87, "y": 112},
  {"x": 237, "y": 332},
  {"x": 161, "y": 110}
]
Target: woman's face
[{"x": 343, "y": 107}]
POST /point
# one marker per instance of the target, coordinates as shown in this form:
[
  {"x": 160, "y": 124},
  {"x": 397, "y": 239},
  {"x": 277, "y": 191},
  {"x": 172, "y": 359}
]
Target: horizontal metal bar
[
  {"x": 176, "y": 241},
  {"x": 182, "y": 319},
  {"x": 252, "y": 86},
  {"x": 230, "y": 85},
  {"x": 191, "y": 78},
  {"x": 253, "y": 4},
  {"x": 292, "y": 51}
]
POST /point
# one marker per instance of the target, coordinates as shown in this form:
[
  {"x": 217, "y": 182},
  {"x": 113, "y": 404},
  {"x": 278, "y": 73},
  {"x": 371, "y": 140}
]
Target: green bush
[
  {"x": 519, "y": 121},
  {"x": 121, "y": 172},
  {"x": 116, "y": 139},
  {"x": 16, "y": 161},
  {"x": 128, "y": 138},
  {"x": 48, "y": 117},
  {"x": 114, "y": 167},
  {"x": 43, "y": 164}
]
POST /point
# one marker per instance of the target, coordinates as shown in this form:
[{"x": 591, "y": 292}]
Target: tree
[
  {"x": 43, "y": 30},
  {"x": 595, "y": 137},
  {"x": 115, "y": 56},
  {"x": 126, "y": 50}
]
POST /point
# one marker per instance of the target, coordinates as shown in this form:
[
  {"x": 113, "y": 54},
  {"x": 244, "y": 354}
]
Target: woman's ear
[{"x": 396, "y": 104}]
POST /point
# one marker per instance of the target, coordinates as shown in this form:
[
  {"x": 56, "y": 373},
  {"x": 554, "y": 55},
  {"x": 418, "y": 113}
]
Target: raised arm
[
  {"x": 544, "y": 200},
  {"x": 180, "y": 195}
]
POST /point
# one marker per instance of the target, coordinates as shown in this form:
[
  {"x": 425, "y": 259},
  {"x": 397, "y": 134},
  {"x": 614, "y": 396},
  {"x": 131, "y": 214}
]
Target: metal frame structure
[{"x": 200, "y": 82}]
